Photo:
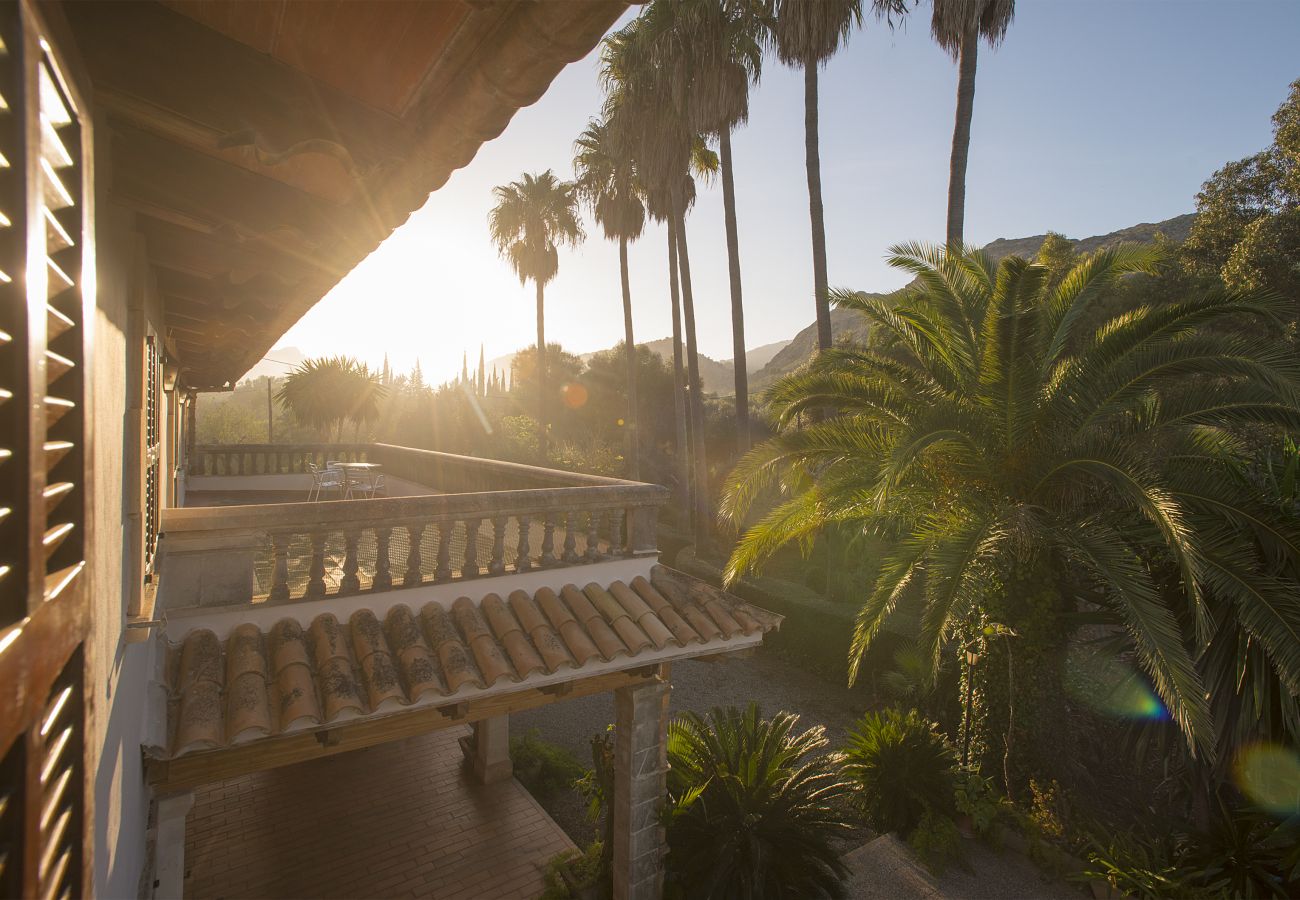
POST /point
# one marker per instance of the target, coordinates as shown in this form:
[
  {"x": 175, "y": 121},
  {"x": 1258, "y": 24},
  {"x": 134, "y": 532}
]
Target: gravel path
[{"x": 699, "y": 686}]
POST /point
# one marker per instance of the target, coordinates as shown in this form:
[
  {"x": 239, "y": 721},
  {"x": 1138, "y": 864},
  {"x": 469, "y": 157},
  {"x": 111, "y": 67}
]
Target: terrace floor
[{"x": 402, "y": 819}]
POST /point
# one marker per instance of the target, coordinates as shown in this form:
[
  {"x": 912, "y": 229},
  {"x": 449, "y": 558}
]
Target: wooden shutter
[{"x": 44, "y": 476}]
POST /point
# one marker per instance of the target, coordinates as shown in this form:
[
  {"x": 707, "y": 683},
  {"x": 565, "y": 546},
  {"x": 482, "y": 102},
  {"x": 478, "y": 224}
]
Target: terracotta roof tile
[
  {"x": 593, "y": 623},
  {"x": 684, "y": 633},
  {"x": 654, "y": 629},
  {"x": 579, "y": 643},
  {"x": 633, "y": 637},
  {"x": 552, "y": 650},
  {"x": 254, "y": 685}
]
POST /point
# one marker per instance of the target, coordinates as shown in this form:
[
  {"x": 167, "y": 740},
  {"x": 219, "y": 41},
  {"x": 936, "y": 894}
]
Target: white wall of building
[{"x": 119, "y": 670}]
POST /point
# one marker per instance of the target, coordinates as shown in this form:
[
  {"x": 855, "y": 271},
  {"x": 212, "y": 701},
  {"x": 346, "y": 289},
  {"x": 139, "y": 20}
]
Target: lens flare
[
  {"x": 1269, "y": 774},
  {"x": 574, "y": 395},
  {"x": 1112, "y": 687}
]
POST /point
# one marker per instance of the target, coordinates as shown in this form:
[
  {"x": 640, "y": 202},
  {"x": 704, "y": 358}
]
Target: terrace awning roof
[
  {"x": 244, "y": 694},
  {"x": 268, "y": 147}
]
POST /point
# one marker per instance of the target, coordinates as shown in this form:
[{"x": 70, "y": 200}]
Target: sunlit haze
[{"x": 1092, "y": 116}]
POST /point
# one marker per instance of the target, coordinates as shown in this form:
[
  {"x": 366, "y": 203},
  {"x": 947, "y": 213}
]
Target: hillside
[{"x": 847, "y": 324}]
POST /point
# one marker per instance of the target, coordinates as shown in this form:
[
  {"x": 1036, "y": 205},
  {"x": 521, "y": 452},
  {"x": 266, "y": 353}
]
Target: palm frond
[{"x": 1154, "y": 629}]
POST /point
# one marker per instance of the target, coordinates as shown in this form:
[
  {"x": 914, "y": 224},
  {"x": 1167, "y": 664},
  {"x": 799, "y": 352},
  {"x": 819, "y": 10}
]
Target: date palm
[
  {"x": 532, "y": 218},
  {"x": 607, "y": 181},
  {"x": 325, "y": 392},
  {"x": 1026, "y": 467},
  {"x": 807, "y": 33},
  {"x": 754, "y": 808},
  {"x": 957, "y": 27}
]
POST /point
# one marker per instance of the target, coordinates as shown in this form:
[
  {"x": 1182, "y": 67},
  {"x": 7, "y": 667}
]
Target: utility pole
[{"x": 270, "y": 426}]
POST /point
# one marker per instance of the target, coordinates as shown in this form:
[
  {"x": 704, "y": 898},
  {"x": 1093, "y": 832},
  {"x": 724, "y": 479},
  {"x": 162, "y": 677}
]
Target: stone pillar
[
  {"x": 169, "y": 846},
  {"x": 489, "y": 750},
  {"x": 640, "y": 770}
]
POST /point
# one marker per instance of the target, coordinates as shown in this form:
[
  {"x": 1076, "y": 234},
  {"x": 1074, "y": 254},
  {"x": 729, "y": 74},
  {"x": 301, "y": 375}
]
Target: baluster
[
  {"x": 316, "y": 574},
  {"x": 280, "y": 568},
  {"x": 570, "y": 540},
  {"x": 523, "y": 561},
  {"x": 497, "y": 565},
  {"x": 414, "y": 576},
  {"x": 616, "y": 532},
  {"x": 593, "y": 536},
  {"x": 383, "y": 579},
  {"x": 548, "y": 540},
  {"x": 350, "y": 583},
  {"x": 470, "y": 568},
  {"x": 442, "y": 569}
]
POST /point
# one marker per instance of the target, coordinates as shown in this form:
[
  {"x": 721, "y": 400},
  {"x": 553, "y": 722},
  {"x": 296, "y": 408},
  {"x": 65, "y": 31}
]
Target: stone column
[
  {"x": 489, "y": 750},
  {"x": 169, "y": 845},
  {"x": 640, "y": 770}
]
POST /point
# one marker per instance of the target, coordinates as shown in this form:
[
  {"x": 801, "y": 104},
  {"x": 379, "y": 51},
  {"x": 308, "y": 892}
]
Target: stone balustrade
[
  {"x": 270, "y": 459},
  {"x": 493, "y": 518}
]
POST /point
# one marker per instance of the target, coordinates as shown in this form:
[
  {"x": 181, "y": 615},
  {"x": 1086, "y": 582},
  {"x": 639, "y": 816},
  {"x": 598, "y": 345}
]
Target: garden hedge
[{"x": 816, "y": 632}]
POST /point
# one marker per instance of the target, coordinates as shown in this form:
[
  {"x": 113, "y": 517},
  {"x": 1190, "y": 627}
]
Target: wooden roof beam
[
  {"x": 180, "y": 185},
  {"x": 226, "y": 99}
]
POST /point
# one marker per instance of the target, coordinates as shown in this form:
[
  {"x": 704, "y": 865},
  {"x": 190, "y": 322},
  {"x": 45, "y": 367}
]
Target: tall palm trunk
[
  {"x": 961, "y": 136},
  {"x": 633, "y": 410},
  {"x": 683, "y": 459},
  {"x": 541, "y": 371},
  {"x": 737, "y": 302},
  {"x": 812, "y": 154},
  {"x": 699, "y": 459}
]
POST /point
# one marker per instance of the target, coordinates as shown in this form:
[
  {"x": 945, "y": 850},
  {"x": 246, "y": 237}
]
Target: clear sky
[{"x": 1092, "y": 116}]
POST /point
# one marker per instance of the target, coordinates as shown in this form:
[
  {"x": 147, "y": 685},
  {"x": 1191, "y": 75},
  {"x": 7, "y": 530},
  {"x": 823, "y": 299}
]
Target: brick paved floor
[{"x": 398, "y": 820}]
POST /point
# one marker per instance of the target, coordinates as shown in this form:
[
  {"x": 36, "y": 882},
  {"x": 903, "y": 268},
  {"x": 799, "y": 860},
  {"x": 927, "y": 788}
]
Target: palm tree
[
  {"x": 637, "y": 82},
  {"x": 532, "y": 217},
  {"x": 324, "y": 393},
  {"x": 714, "y": 51},
  {"x": 807, "y": 33},
  {"x": 1025, "y": 466},
  {"x": 957, "y": 26},
  {"x": 606, "y": 179},
  {"x": 754, "y": 807}
]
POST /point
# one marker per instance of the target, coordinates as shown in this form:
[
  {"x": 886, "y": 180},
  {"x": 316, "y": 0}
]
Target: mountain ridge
[{"x": 849, "y": 324}]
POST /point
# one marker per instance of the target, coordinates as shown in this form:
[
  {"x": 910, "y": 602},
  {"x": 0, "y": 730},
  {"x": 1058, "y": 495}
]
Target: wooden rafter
[
  {"x": 217, "y": 765},
  {"x": 251, "y": 166}
]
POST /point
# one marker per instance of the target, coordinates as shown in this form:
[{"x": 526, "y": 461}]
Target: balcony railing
[{"x": 488, "y": 518}]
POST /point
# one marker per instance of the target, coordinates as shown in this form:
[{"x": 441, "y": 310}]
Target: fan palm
[
  {"x": 754, "y": 807},
  {"x": 324, "y": 393},
  {"x": 807, "y": 33},
  {"x": 667, "y": 151},
  {"x": 531, "y": 219},
  {"x": 711, "y": 52},
  {"x": 606, "y": 179},
  {"x": 1026, "y": 468},
  {"x": 957, "y": 26}
]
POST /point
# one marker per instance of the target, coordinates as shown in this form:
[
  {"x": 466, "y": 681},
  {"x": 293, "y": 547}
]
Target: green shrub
[
  {"x": 754, "y": 808},
  {"x": 570, "y": 875},
  {"x": 1243, "y": 853},
  {"x": 976, "y": 797},
  {"x": 543, "y": 768},
  {"x": 935, "y": 840},
  {"x": 903, "y": 768}
]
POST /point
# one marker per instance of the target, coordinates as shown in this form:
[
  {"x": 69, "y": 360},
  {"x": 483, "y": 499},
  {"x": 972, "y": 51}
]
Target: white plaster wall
[{"x": 118, "y": 671}]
